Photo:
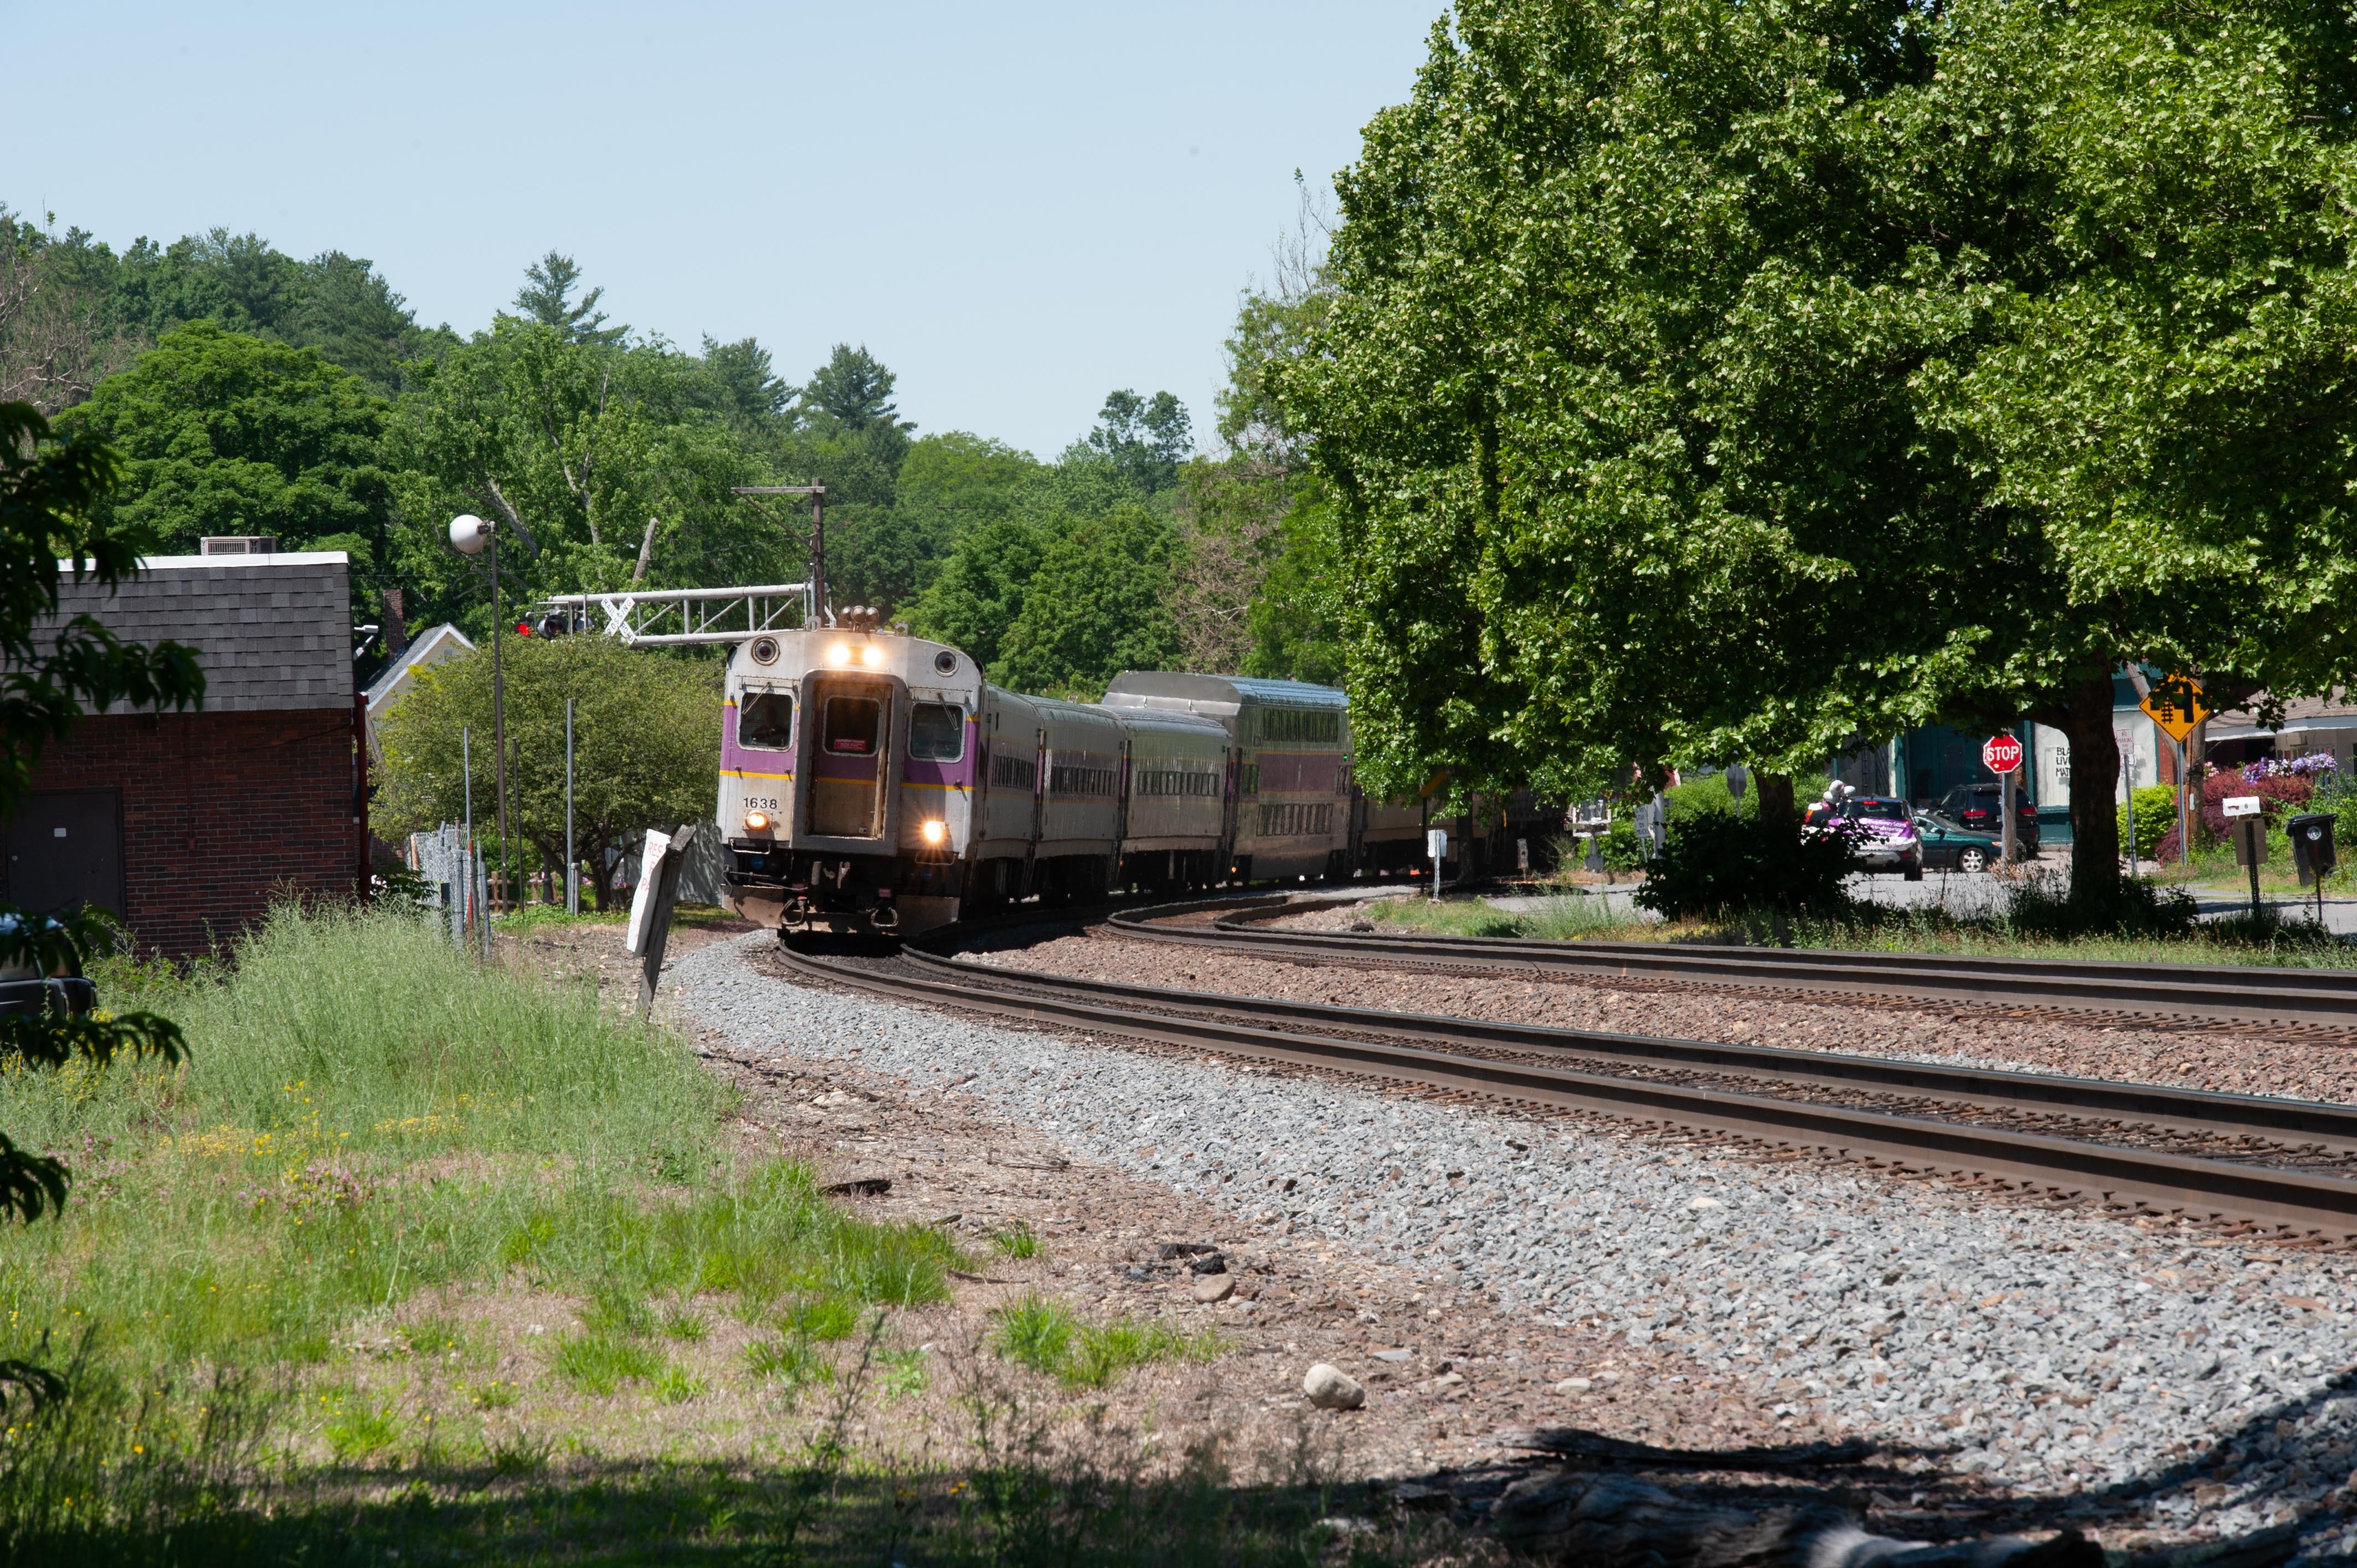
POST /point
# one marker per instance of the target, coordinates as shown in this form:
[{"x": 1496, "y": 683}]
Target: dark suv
[{"x": 1980, "y": 809}]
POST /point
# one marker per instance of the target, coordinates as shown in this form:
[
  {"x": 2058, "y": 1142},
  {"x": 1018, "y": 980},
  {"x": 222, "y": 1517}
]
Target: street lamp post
[{"x": 470, "y": 535}]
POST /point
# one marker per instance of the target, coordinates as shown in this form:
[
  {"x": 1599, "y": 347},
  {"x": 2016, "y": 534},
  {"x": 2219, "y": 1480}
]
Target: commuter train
[{"x": 874, "y": 782}]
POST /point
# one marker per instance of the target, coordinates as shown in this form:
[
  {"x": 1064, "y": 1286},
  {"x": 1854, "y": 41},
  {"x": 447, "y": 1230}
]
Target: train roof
[{"x": 1169, "y": 689}]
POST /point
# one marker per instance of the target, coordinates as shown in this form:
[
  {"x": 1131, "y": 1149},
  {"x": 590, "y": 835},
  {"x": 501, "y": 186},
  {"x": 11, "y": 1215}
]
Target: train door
[{"x": 847, "y": 742}]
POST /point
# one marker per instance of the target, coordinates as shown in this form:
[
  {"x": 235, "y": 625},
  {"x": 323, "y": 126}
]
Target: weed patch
[
  {"x": 1015, "y": 1241},
  {"x": 599, "y": 1363},
  {"x": 1042, "y": 1334}
]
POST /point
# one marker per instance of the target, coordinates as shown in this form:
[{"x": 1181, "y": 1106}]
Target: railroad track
[
  {"x": 1953, "y": 1121},
  {"x": 2219, "y": 993}
]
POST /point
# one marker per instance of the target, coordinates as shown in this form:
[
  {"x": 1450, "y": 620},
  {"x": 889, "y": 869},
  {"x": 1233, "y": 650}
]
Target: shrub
[
  {"x": 2154, "y": 811},
  {"x": 2280, "y": 794},
  {"x": 1624, "y": 846},
  {"x": 2041, "y": 907},
  {"x": 1717, "y": 864}
]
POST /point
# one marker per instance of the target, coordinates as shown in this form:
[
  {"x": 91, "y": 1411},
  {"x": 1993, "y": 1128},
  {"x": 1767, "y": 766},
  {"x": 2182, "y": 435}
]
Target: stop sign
[{"x": 2001, "y": 753}]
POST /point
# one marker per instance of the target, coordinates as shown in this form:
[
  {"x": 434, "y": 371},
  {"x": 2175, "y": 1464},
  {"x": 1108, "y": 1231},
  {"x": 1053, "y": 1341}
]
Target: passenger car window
[
  {"x": 851, "y": 726},
  {"x": 765, "y": 720},
  {"x": 936, "y": 731}
]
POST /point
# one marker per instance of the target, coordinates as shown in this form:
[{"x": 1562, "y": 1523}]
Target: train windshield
[
  {"x": 765, "y": 720},
  {"x": 936, "y": 731},
  {"x": 852, "y": 723}
]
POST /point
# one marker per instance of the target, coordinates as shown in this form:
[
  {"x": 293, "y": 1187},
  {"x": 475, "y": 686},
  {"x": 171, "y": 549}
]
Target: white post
[
  {"x": 572, "y": 868},
  {"x": 2184, "y": 829},
  {"x": 2127, "y": 766},
  {"x": 1435, "y": 843},
  {"x": 467, "y": 777}
]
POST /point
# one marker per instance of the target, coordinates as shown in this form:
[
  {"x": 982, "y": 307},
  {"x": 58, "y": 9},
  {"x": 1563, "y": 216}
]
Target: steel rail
[
  {"x": 2220, "y": 992},
  {"x": 2125, "y": 1177},
  {"x": 2155, "y": 1105}
]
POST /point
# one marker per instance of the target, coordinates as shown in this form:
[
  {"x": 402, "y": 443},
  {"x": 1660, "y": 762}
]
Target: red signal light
[{"x": 523, "y": 628}]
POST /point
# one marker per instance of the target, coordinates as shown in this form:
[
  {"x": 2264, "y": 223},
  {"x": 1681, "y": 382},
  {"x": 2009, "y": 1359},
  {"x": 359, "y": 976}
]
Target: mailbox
[{"x": 2312, "y": 845}]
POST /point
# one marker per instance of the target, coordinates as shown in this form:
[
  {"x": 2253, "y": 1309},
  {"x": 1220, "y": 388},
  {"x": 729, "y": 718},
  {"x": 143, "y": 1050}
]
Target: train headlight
[
  {"x": 757, "y": 822},
  {"x": 839, "y": 654},
  {"x": 872, "y": 656},
  {"x": 935, "y": 832}
]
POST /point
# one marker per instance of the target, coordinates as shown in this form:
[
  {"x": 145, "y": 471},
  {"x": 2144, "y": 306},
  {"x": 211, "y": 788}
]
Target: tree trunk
[
  {"x": 1608, "y": 1520},
  {"x": 1775, "y": 797},
  {"x": 2094, "y": 778}
]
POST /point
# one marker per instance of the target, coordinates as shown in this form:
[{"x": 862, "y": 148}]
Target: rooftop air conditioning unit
[{"x": 239, "y": 545}]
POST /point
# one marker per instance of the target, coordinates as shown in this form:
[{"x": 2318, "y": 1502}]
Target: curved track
[
  {"x": 2292, "y": 1164},
  {"x": 2223, "y": 993}
]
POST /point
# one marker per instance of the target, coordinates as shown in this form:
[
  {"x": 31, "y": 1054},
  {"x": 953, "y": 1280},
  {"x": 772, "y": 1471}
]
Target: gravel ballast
[
  {"x": 2222, "y": 1060},
  {"x": 2048, "y": 1350}
]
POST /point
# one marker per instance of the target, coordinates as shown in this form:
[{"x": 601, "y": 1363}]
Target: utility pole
[
  {"x": 470, "y": 535},
  {"x": 500, "y": 722},
  {"x": 572, "y": 868},
  {"x": 817, "y": 494}
]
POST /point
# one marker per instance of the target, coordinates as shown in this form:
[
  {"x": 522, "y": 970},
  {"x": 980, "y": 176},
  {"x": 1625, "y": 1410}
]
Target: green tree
[
  {"x": 546, "y": 297},
  {"x": 852, "y": 393},
  {"x": 351, "y": 315},
  {"x": 588, "y": 456},
  {"x": 1706, "y": 383},
  {"x": 1097, "y": 604},
  {"x": 747, "y": 392},
  {"x": 646, "y": 743},
  {"x": 225, "y": 432},
  {"x": 50, "y": 513},
  {"x": 335, "y": 303},
  {"x": 947, "y": 485},
  {"x": 978, "y": 592},
  {"x": 1143, "y": 439}
]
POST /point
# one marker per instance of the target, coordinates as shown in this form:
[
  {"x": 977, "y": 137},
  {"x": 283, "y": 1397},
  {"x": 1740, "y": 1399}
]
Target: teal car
[{"x": 1949, "y": 845}]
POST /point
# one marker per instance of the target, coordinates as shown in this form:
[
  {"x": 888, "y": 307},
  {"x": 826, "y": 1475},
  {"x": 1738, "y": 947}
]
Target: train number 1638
[{"x": 756, "y": 803}]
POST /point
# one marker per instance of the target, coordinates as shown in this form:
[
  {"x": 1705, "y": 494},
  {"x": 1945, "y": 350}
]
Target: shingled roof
[{"x": 272, "y": 632}]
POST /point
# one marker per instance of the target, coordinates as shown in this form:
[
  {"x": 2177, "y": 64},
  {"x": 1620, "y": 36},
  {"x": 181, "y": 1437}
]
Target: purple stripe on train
[
  {"x": 735, "y": 759},
  {"x": 958, "y": 773}
]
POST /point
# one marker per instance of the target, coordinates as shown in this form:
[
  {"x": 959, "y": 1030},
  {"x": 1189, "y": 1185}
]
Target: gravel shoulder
[
  {"x": 2146, "y": 1380},
  {"x": 1967, "y": 1033}
]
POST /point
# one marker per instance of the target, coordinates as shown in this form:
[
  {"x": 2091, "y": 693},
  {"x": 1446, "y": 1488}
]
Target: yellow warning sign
[{"x": 2176, "y": 705}]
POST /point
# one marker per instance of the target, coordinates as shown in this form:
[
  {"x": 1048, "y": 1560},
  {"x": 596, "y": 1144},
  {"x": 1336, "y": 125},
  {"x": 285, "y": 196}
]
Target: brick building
[{"x": 188, "y": 825}]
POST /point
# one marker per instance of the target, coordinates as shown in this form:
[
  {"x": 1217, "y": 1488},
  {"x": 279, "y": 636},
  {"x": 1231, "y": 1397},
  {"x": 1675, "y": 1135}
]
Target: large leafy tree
[
  {"x": 1097, "y": 604},
  {"x": 947, "y": 485},
  {"x": 979, "y": 590},
  {"x": 226, "y": 433},
  {"x": 591, "y": 458},
  {"x": 646, "y": 737},
  {"x": 335, "y": 303},
  {"x": 50, "y": 492},
  {"x": 1705, "y": 383}
]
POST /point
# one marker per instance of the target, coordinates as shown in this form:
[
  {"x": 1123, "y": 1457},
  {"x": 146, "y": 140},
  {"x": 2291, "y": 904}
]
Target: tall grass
[{"x": 367, "y": 1113}]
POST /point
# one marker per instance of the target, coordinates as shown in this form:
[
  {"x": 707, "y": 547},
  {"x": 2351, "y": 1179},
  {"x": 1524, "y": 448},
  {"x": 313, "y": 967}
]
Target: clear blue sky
[{"x": 1016, "y": 208}]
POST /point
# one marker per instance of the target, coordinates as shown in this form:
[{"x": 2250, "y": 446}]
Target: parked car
[
  {"x": 1980, "y": 809},
  {"x": 24, "y": 993},
  {"x": 1882, "y": 830},
  {"x": 1948, "y": 844}
]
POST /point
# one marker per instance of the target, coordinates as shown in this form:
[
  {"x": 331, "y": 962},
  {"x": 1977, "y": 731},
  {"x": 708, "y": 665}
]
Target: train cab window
[
  {"x": 765, "y": 720},
  {"x": 852, "y": 725},
  {"x": 936, "y": 731}
]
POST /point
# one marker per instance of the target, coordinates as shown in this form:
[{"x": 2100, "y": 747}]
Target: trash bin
[{"x": 2312, "y": 845}]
